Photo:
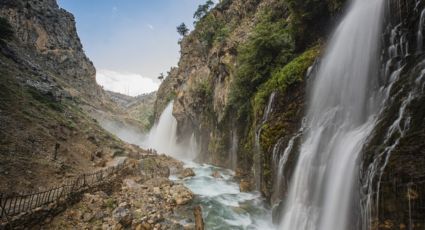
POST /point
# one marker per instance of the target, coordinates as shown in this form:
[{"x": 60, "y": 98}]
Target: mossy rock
[{"x": 284, "y": 77}]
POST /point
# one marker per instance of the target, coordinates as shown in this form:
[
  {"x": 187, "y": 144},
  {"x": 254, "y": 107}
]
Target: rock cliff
[
  {"x": 46, "y": 38},
  {"x": 46, "y": 80}
]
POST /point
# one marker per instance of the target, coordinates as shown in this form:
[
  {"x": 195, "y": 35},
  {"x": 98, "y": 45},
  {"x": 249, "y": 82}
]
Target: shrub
[
  {"x": 284, "y": 77},
  {"x": 208, "y": 28},
  {"x": 202, "y": 89}
]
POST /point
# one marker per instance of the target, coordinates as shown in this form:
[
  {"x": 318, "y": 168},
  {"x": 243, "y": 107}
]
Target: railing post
[
  {"x": 20, "y": 203},
  {"x": 14, "y": 205},
  {"x": 1, "y": 206},
  {"x": 3, "y": 210},
  {"x": 31, "y": 200}
]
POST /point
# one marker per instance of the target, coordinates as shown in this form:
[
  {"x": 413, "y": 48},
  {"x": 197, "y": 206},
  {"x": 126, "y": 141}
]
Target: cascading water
[
  {"x": 280, "y": 164},
  {"x": 163, "y": 137},
  {"x": 341, "y": 115},
  {"x": 420, "y": 37},
  {"x": 258, "y": 163},
  {"x": 233, "y": 157}
]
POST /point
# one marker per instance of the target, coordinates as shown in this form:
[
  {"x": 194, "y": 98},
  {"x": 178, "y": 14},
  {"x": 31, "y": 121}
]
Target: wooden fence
[{"x": 14, "y": 205}]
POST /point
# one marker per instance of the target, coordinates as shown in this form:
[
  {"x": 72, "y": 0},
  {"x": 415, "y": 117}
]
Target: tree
[
  {"x": 161, "y": 77},
  {"x": 202, "y": 10},
  {"x": 182, "y": 29}
]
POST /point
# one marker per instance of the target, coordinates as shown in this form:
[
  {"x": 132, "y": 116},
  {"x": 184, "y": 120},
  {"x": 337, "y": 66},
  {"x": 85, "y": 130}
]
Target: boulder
[
  {"x": 181, "y": 194},
  {"x": 123, "y": 216},
  {"x": 188, "y": 172}
]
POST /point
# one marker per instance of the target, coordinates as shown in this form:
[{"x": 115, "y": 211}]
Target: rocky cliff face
[
  {"x": 393, "y": 166},
  {"x": 45, "y": 78},
  {"x": 241, "y": 87},
  {"x": 46, "y": 38}
]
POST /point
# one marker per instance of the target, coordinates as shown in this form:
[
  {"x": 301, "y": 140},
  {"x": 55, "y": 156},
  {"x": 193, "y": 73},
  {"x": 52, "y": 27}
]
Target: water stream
[{"x": 223, "y": 205}]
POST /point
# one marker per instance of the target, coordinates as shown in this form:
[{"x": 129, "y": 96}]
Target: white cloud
[
  {"x": 150, "y": 26},
  {"x": 126, "y": 83}
]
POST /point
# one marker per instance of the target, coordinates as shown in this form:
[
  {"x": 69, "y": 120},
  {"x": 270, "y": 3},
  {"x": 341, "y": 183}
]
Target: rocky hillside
[
  {"x": 46, "y": 80},
  {"x": 241, "y": 86},
  {"x": 140, "y": 109}
]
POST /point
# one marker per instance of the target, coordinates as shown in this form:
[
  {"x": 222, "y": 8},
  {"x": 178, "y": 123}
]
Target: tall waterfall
[
  {"x": 163, "y": 138},
  {"x": 342, "y": 112}
]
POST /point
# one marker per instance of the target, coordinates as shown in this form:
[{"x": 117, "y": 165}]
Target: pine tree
[{"x": 182, "y": 29}]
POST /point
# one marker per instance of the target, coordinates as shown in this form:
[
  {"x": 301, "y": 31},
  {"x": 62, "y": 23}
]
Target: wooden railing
[{"x": 11, "y": 206}]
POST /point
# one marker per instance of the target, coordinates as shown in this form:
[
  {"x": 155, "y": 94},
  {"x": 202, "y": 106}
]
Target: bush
[
  {"x": 284, "y": 77},
  {"x": 208, "y": 28},
  {"x": 202, "y": 89}
]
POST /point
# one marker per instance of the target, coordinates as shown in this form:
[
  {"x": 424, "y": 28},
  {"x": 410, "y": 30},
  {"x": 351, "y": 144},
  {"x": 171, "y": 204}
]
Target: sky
[{"x": 130, "y": 40}]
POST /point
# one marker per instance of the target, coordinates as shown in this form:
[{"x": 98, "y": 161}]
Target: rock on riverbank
[{"x": 144, "y": 200}]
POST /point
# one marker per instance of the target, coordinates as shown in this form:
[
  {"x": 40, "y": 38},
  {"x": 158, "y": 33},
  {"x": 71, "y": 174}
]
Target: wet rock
[
  {"x": 277, "y": 212},
  {"x": 188, "y": 172},
  {"x": 216, "y": 174},
  {"x": 199, "y": 222},
  {"x": 245, "y": 186}
]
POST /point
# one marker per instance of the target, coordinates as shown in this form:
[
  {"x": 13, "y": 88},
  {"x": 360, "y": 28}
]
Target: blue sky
[{"x": 131, "y": 36}]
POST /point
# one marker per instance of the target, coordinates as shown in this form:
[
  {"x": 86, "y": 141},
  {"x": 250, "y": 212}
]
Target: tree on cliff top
[
  {"x": 202, "y": 10},
  {"x": 182, "y": 29}
]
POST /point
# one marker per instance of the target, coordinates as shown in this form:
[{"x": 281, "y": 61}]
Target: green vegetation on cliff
[
  {"x": 270, "y": 46},
  {"x": 282, "y": 78},
  {"x": 310, "y": 19}
]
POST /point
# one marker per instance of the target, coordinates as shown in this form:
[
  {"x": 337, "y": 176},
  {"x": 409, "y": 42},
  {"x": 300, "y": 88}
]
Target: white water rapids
[{"x": 223, "y": 205}]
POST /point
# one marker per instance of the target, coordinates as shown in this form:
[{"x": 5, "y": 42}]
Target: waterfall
[
  {"x": 419, "y": 36},
  {"x": 163, "y": 138},
  {"x": 258, "y": 158},
  {"x": 281, "y": 161},
  {"x": 342, "y": 112},
  {"x": 233, "y": 156}
]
